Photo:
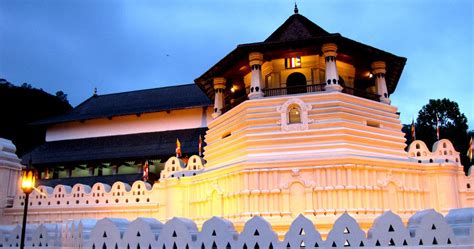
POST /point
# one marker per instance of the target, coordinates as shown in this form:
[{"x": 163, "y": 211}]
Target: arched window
[{"x": 294, "y": 115}]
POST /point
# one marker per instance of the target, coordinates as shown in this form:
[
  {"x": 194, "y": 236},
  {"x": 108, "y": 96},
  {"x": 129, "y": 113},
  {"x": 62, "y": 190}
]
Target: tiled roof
[
  {"x": 134, "y": 102},
  {"x": 122, "y": 147},
  {"x": 296, "y": 27}
]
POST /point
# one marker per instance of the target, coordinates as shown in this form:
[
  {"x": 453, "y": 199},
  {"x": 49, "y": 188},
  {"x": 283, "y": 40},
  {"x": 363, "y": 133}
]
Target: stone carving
[{"x": 388, "y": 179}]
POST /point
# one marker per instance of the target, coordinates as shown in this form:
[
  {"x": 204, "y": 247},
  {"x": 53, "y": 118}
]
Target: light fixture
[
  {"x": 232, "y": 89},
  {"x": 371, "y": 76},
  {"x": 28, "y": 181}
]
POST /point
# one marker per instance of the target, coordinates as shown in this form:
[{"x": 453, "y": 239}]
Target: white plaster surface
[{"x": 131, "y": 124}]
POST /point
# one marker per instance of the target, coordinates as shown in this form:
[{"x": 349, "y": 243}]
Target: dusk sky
[{"x": 116, "y": 46}]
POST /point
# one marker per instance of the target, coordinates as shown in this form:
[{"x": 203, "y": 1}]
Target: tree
[
  {"x": 23, "y": 105},
  {"x": 62, "y": 96},
  {"x": 26, "y": 85},
  {"x": 452, "y": 126}
]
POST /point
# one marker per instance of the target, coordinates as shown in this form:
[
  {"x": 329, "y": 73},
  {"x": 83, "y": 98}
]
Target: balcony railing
[
  {"x": 361, "y": 93},
  {"x": 282, "y": 91},
  {"x": 317, "y": 88},
  {"x": 293, "y": 90},
  {"x": 234, "y": 102}
]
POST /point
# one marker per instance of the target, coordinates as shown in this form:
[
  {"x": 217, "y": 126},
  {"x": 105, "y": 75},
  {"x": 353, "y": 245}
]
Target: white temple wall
[
  {"x": 131, "y": 124},
  {"x": 321, "y": 190},
  {"x": 336, "y": 124}
]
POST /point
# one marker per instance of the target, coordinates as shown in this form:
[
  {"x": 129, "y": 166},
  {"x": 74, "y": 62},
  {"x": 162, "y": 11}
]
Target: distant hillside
[{"x": 22, "y": 105}]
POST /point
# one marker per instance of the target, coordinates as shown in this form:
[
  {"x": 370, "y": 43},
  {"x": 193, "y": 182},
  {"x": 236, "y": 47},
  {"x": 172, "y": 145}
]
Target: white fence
[{"x": 426, "y": 229}]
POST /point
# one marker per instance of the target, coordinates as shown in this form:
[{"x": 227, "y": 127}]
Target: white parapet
[
  {"x": 10, "y": 169},
  {"x": 426, "y": 229}
]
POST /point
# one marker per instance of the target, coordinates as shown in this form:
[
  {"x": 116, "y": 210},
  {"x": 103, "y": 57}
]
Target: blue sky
[{"x": 117, "y": 46}]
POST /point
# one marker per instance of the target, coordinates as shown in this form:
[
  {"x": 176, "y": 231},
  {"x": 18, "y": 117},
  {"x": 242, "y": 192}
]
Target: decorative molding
[
  {"x": 388, "y": 179},
  {"x": 284, "y": 122}
]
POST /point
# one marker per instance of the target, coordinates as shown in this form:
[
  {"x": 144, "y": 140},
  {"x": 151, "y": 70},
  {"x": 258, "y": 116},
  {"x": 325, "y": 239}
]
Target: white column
[
  {"x": 256, "y": 83},
  {"x": 219, "y": 86},
  {"x": 332, "y": 76},
  {"x": 378, "y": 69}
]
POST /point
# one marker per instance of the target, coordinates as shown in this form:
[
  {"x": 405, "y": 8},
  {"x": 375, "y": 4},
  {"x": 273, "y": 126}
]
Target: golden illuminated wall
[
  {"x": 347, "y": 155},
  {"x": 337, "y": 125},
  {"x": 275, "y": 74}
]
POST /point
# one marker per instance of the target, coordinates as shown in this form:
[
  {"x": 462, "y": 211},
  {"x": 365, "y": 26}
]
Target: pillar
[
  {"x": 219, "y": 86},
  {"x": 332, "y": 76},
  {"x": 378, "y": 69},
  {"x": 256, "y": 83}
]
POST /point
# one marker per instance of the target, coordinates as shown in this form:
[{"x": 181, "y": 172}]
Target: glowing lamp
[
  {"x": 371, "y": 76},
  {"x": 28, "y": 180}
]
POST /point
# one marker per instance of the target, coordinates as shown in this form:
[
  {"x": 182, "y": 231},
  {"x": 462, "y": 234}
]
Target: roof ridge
[
  {"x": 138, "y": 90},
  {"x": 312, "y": 28}
]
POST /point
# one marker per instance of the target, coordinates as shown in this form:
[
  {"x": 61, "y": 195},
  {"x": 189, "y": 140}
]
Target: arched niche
[{"x": 294, "y": 106}]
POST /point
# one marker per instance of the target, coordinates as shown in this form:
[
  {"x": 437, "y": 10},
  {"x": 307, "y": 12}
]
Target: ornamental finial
[{"x": 296, "y": 8}]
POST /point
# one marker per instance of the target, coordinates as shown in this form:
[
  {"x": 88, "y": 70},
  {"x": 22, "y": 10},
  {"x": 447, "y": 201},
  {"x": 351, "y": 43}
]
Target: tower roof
[
  {"x": 296, "y": 27},
  {"x": 300, "y": 35}
]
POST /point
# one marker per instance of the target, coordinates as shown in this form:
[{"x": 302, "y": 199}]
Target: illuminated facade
[{"x": 300, "y": 124}]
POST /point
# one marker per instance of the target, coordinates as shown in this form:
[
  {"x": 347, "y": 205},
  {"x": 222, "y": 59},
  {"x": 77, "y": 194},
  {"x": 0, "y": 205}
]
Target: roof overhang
[{"x": 360, "y": 53}]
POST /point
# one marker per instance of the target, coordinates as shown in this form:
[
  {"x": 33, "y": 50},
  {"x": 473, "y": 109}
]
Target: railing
[
  {"x": 233, "y": 103},
  {"x": 425, "y": 229},
  {"x": 361, "y": 93},
  {"x": 293, "y": 90},
  {"x": 282, "y": 91},
  {"x": 317, "y": 88}
]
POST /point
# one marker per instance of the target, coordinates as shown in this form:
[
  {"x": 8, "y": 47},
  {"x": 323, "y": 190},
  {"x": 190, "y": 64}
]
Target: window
[
  {"x": 294, "y": 62},
  {"x": 294, "y": 115}
]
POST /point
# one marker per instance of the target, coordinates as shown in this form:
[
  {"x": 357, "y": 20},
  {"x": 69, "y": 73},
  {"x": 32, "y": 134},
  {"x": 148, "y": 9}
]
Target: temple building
[
  {"x": 111, "y": 137},
  {"x": 300, "y": 123}
]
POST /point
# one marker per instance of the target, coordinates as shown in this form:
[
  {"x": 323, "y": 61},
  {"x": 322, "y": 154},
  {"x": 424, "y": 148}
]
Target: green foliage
[
  {"x": 453, "y": 125},
  {"x": 61, "y": 96},
  {"x": 20, "y": 106}
]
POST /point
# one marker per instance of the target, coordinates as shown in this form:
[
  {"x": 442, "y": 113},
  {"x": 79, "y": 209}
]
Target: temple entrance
[{"x": 296, "y": 83}]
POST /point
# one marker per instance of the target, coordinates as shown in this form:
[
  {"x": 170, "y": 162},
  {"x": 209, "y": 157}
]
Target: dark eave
[
  {"x": 115, "y": 148},
  {"x": 134, "y": 102}
]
